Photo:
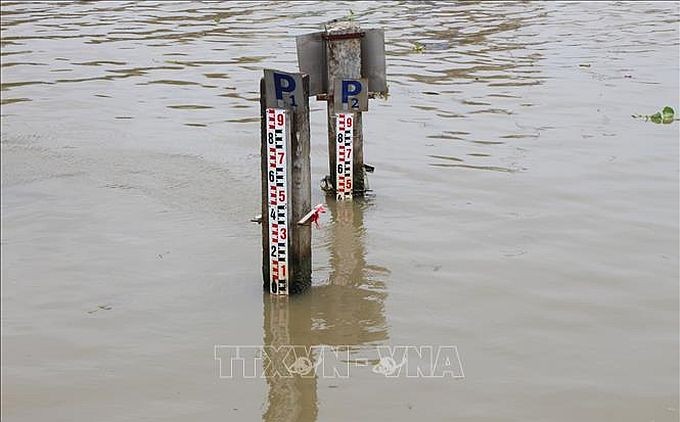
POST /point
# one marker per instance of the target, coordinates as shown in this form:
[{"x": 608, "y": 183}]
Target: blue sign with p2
[
  {"x": 283, "y": 89},
  {"x": 351, "y": 94}
]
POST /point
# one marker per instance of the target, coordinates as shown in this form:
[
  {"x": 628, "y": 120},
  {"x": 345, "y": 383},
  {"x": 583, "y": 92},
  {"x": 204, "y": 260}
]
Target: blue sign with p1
[
  {"x": 350, "y": 95},
  {"x": 284, "y": 90}
]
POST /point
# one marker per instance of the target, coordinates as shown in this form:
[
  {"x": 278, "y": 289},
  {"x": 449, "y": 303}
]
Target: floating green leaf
[
  {"x": 665, "y": 116},
  {"x": 417, "y": 47},
  {"x": 656, "y": 117},
  {"x": 668, "y": 113}
]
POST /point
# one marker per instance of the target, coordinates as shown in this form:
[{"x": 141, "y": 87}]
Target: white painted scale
[
  {"x": 277, "y": 185},
  {"x": 344, "y": 128}
]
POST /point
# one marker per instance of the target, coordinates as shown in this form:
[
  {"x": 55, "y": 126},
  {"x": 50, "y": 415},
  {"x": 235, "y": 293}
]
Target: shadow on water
[{"x": 343, "y": 314}]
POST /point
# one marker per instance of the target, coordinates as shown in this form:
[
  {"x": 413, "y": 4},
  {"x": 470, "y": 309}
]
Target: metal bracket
[
  {"x": 329, "y": 97},
  {"x": 336, "y": 37}
]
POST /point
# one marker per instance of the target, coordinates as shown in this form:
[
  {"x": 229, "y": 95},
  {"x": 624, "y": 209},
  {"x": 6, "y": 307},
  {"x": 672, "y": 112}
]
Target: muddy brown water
[{"x": 519, "y": 213}]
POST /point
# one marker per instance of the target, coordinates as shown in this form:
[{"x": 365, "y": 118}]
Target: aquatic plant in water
[
  {"x": 665, "y": 116},
  {"x": 417, "y": 47}
]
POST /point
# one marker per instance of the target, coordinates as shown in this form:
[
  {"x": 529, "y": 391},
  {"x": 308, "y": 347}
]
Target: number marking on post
[
  {"x": 344, "y": 130},
  {"x": 277, "y": 187}
]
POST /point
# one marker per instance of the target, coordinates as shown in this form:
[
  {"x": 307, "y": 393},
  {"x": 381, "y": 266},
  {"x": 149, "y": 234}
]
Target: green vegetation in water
[
  {"x": 350, "y": 16},
  {"x": 665, "y": 116},
  {"x": 417, "y": 47},
  {"x": 381, "y": 95}
]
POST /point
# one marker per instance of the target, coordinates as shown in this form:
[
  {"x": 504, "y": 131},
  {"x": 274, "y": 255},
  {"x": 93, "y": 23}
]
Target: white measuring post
[
  {"x": 343, "y": 55},
  {"x": 286, "y": 182},
  {"x": 344, "y": 153},
  {"x": 278, "y": 145}
]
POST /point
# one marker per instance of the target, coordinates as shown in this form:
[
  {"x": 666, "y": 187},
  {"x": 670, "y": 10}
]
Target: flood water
[{"x": 518, "y": 213}]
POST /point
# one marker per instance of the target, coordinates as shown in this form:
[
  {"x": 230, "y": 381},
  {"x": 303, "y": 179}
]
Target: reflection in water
[
  {"x": 291, "y": 396},
  {"x": 347, "y": 311},
  {"x": 350, "y": 307}
]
